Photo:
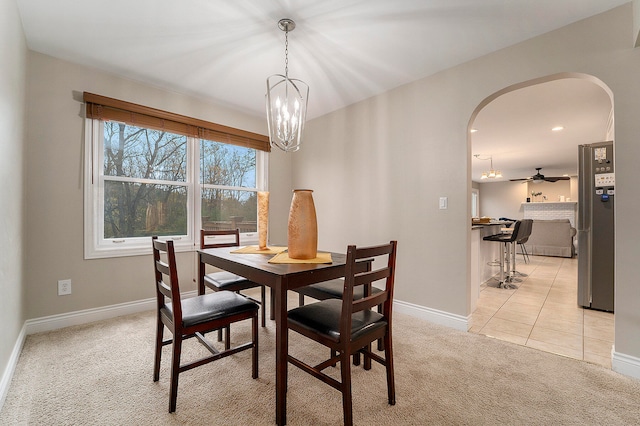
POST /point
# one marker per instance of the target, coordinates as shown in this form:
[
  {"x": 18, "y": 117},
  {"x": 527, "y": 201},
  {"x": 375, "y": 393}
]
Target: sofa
[{"x": 553, "y": 237}]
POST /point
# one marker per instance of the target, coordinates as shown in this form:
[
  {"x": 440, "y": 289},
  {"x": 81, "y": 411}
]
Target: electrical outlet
[{"x": 64, "y": 287}]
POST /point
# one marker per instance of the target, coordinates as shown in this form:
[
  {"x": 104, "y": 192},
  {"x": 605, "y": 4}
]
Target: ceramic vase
[
  {"x": 302, "y": 236},
  {"x": 263, "y": 219}
]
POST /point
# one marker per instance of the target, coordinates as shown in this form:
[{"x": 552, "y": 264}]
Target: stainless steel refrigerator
[{"x": 596, "y": 256}]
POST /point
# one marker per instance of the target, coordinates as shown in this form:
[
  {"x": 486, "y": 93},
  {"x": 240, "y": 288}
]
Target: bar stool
[
  {"x": 505, "y": 257},
  {"x": 523, "y": 236}
]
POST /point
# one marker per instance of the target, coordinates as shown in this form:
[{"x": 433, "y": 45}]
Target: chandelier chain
[{"x": 286, "y": 54}]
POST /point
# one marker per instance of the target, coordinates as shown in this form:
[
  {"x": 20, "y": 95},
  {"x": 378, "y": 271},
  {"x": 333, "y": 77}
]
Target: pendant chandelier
[
  {"x": 492, "y": 173},
  {"x": 286, "y": 102}
]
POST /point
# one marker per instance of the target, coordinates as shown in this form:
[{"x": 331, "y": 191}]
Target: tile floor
[{"x": 543, "y": 313}]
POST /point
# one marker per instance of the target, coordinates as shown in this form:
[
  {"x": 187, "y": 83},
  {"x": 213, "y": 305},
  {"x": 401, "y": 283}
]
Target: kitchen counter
[{"x": 483, "y": 253}]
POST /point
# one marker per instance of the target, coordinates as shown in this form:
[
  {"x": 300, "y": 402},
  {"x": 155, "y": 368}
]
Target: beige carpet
[{"x": 101, "y": 374}]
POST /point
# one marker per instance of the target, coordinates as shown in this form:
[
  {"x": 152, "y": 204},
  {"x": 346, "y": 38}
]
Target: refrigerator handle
[{"x": 585, "y": 187}]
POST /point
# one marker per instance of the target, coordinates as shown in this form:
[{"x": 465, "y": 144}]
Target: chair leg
[
  {"x": 220, "y": 335},
  {"x": 367, "y": 360},
  {"x": 516, "y": 272},
  {"x": 380, "y": 341},
  {"x": 507, "y": 257},
  {"x": 525, "y": 254},
  {"x": 227, "y": 340},
  {"x": 219, "y": 330},
  {"x": 388, "y": 356},
  {"x": 264, "y": 306},
  {"x": 175, "y": 371},
  {"x": 300, "y": 299},
  {"x": 272, "y": 314},
  {"x": 347, "y": 407},
  {"x": 502, "y": 250},
  {"x": 158, "y": 355},
  {"x": 333, "y": 353},
  {"x": 254, "y": 349}
]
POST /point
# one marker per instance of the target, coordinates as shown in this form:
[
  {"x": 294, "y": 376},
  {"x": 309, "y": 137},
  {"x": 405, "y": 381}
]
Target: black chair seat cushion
[
  {"x": 505, "y": 238},
  {"x": 210, "y": 306},
  {"x": 324, "y": 317},
  {"x": 332, "y": 289},
  {"x": 224, "y": 280}
]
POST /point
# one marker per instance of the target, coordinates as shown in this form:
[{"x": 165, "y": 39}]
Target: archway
[{"x": 515, "y": 194}]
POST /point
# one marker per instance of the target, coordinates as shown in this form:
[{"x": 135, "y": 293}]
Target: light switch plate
[{"x": 443, "y": 203}]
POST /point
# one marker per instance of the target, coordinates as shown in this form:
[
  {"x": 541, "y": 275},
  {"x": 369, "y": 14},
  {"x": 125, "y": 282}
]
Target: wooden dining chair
[
  {"x": 223, "y": 280},
  {"x": 348, "y": 326},
  {"x": 193, "y": 317}
]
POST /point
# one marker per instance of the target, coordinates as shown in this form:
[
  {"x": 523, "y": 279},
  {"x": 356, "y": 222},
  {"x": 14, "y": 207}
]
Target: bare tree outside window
[
  {"x": 146, "y": 183},
  {"x": 224, "y": 171},
  {"x": 140, "y": 166}
]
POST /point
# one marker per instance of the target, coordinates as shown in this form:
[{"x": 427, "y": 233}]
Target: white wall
[
  {"x": 13, "y": 60},
  {"x": 502, "y": 199},
  {"x": 551, "y": 190},
  {"x": 379, "y": 167},
  {"x": 54, "y": 214}
]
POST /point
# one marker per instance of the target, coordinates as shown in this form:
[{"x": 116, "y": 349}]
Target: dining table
[{"x": 280, "y": 278}]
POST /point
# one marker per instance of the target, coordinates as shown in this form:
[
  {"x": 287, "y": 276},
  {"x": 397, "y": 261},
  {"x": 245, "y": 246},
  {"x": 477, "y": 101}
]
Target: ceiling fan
[{"x": 539, "y": 177}]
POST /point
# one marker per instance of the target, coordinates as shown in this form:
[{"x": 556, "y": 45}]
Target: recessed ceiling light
[
  {"x": 558, "y": 128},
  {"x": 473, "y": 130}
]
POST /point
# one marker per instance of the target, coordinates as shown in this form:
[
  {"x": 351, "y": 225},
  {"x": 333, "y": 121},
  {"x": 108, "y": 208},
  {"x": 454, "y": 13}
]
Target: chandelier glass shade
[
  {"x": 286, "y": 103},
  {"x": 491, "y": 174}
]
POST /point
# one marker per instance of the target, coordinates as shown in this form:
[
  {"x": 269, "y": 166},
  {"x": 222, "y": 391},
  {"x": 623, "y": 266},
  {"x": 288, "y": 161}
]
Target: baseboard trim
[
  {"x": 54, "y": 322},
  {"x": 625, "y": 364},
  {"x": 435, "y": 316},
  {"x": 85, "y": 316},
  {"x": 7, "y": 376}
]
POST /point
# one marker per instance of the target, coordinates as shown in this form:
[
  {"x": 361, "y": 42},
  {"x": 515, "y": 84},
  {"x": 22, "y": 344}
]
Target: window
[
  {"x": 475, "y": 202},
  {"x": 143, "y": 180},
  {"x": 228, "y": 195}
]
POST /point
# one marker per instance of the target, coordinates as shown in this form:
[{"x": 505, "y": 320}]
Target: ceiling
[
  {"x": 346, "y": 50},
  {"x": 515, "y": 129}
]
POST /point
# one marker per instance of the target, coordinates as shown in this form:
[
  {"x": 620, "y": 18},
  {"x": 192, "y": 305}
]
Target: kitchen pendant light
[
  {"x": 286, "y": 102},
  {"x": 492, "y": 173}
]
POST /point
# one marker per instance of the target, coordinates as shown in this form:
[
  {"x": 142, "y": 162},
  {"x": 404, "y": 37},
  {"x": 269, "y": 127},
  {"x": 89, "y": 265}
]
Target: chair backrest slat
[
  {"x": 373, "y": 251},
  {"x": 164, "y": 289},
  {"x": 369, "y": 301},
  {"x": 206, "y": 233},
  {"x": 163, "y": 267},
  {"x": 372, "y": 276}
]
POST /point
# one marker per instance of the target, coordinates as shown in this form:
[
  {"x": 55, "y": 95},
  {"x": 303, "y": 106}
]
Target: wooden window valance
[{"x": 104, "y": 108}]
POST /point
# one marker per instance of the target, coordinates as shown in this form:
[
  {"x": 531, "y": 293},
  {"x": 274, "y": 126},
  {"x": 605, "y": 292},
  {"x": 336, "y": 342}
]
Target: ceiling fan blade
[
  {"x": 539, "y": 177},
  {"x": 556, "y": 178}
]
